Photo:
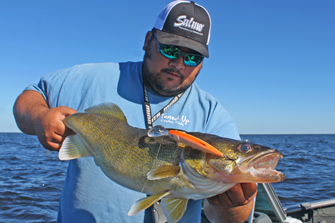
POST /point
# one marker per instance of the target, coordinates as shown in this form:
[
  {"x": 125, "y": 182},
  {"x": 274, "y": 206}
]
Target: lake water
[{"x": 31, "y": 180}]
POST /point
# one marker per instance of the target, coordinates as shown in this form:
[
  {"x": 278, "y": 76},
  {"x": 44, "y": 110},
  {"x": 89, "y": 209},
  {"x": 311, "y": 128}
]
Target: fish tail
[{"x": 73, "y": 147}]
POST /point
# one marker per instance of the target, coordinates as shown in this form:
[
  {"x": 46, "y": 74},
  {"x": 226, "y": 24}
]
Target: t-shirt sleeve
[{"x": 50, "y": 85}]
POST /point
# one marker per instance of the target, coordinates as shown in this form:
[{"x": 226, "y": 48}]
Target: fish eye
[{"x": 244, "y": 148}]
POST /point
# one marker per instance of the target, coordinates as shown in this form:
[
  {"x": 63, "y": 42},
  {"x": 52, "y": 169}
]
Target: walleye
[{"x": 170, "y": 169}]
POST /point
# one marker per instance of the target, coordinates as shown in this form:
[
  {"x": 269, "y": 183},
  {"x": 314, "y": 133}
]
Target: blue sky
[{"x": 272, "y": 62}]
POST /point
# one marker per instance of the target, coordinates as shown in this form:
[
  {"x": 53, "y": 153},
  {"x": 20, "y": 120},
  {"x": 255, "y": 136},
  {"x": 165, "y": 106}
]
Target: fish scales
[{"x": 135, "y": 143}]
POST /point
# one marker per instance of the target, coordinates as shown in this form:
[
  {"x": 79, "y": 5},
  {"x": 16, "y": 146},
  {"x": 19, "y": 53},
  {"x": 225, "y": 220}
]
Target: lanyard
[{"x": 150, "y": 119}]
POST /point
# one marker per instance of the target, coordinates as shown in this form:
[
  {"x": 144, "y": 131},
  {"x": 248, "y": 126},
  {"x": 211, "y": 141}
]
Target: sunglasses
[{"x": 172, "y": 52}]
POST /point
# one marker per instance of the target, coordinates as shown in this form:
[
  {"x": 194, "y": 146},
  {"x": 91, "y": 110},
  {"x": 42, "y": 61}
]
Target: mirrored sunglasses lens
[
  {"x": 170, "y": 51},
  {"x": 192, "y": 60}
]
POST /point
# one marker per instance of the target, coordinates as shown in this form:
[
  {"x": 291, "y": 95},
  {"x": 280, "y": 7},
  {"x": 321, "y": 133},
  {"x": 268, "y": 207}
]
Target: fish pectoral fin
[
  {"x": 162, "y": 172},
  {"x": 109, "y": 109},
  {"x": 73, "y": 147},
  {"x": 146, "y": 202},
  {"x": 194, "y": 142},
  {"x": 174, "y": 208}
]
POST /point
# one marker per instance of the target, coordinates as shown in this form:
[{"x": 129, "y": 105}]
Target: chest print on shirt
[{"x": 180, "y": 120}]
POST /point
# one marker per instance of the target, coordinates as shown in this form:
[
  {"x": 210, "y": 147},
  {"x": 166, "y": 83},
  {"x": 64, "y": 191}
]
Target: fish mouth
[{"x": 262, "y": 167}]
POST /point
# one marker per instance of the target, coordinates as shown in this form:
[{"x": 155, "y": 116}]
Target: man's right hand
[
  {"x": 34, "y": 117},
  {"x": 50, "y": 129}
]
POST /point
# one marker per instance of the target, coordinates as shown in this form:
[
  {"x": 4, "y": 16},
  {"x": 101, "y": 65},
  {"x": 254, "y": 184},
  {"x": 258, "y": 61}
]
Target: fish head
[
  {"x": 245, "y": 162},
  {"x": 242, "y": 162}
]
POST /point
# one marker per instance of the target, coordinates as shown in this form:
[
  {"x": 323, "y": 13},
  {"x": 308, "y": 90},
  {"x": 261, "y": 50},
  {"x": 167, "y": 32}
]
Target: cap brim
[{"x": 176, "y": 40}]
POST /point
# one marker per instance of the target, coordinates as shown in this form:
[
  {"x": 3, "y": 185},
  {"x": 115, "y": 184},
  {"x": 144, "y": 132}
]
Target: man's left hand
[
  {"x": 234, "y": 205},
  {"x": 240, "y": 194}
]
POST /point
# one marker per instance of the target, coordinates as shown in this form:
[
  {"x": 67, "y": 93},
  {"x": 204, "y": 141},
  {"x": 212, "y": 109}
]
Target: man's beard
[{"x": 154, "y": 82}]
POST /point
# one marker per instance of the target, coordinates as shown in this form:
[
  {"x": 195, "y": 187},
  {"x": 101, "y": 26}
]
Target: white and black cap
[{"x": 186, "y": 24}]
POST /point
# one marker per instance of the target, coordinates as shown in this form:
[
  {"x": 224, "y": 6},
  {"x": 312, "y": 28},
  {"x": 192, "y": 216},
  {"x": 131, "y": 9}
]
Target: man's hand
[
  {"x": 240, "y": 194},
  {"x": 50, "y": 129},
  {"x": 234, "y": 205},
  {"x": 34, "y": 117}
]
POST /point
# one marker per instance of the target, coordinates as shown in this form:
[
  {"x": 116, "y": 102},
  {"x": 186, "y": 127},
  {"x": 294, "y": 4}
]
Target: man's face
[{"x": 165, "y": 76}]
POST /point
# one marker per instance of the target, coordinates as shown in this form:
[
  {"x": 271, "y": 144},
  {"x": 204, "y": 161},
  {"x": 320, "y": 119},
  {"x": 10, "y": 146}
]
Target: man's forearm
[
  {"x": 231, "y": 215},
  {"x": 26, "y": 109}
]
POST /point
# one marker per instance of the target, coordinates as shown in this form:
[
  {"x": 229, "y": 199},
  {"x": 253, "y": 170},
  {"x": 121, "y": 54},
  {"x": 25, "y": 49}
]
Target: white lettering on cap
[{"x": 189, "y": 24}]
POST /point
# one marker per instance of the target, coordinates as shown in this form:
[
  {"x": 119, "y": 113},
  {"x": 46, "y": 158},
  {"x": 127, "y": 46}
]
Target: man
[{"x": 161, "y": 85}]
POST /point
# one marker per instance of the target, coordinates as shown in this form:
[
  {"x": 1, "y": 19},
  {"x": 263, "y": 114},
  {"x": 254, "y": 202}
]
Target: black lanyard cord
[{"x": 151, "y": 119}]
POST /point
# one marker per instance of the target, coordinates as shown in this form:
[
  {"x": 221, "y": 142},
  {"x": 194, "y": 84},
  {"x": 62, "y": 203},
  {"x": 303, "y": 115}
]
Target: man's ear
[{"x": 147, "y": 40}]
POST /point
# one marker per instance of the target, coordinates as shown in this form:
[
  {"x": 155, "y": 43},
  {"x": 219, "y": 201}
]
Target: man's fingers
[
  {"x": 236, "y": 195},
  {"x": 54, "y": 146},
  {"x": 242, "y": 193},
  {"x": 225, "y": 199},
  {"x": 249, "y": 190},
  {"x": 66, "y": 111},
  {"x": 55, "y": 138},
  {"x": 60, "y": 128}
]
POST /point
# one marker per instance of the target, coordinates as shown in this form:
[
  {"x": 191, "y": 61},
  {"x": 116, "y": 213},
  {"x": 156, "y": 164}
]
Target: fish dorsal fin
[
  {"x": 174, "y": 208},
  {"x": 146, "y": 202},
  {"x": 109, "y": 108},
  {"x": 162, "y": 172},
  {"x": 73, "y": 147}
]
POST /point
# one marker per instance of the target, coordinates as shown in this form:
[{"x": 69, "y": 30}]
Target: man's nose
[{"x": 178, "y": 63}]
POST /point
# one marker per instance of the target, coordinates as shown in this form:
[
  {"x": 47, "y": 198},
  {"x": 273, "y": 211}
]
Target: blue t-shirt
[{"x": 90, "y": 196}]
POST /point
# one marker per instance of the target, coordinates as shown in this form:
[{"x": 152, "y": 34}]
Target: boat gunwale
[{"x": 312, "y": 205}]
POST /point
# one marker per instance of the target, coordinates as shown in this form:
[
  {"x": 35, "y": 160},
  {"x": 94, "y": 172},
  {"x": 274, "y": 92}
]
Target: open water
[{"x": 31, "y": 180}]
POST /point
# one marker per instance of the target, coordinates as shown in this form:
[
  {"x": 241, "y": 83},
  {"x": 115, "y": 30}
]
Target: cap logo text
[{"x": 189, "y": 24}]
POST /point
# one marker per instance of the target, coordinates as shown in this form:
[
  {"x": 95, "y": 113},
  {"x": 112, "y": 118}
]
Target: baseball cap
[{"x": 186, "y": 24}]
